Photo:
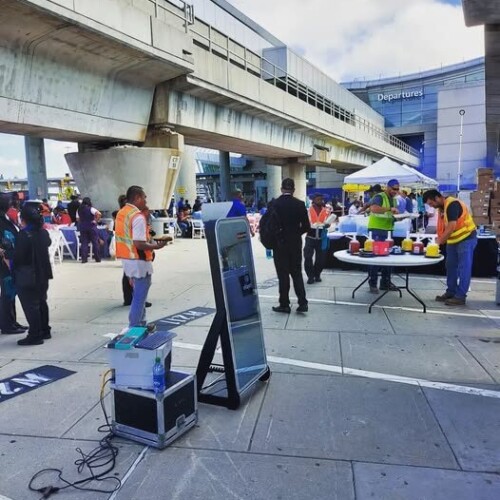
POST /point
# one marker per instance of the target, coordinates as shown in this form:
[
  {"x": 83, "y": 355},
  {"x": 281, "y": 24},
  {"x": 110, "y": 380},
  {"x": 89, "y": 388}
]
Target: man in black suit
[{"x": 288, "y": 252}]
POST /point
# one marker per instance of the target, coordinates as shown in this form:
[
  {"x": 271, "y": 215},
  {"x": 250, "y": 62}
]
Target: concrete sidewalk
[{"x": 396, "y": 404}]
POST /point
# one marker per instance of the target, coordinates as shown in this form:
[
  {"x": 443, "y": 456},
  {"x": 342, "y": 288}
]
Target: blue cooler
[
  {"x": 401, "y": 228},
  {"x": 362, "y": 227},
  {"x": 347, "y": 225}
]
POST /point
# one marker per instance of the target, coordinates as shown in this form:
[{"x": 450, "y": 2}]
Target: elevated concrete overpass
[
  {"x": 82, "y": 70},
  {"x": 141, "y": 72}
]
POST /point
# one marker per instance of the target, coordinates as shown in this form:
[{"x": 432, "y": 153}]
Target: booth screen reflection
[{"x": 242, "y": 303}]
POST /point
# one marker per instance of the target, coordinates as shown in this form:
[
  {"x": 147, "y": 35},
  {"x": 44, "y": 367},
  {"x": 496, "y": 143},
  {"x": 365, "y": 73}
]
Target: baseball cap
[{"x": 393, "y": 182}]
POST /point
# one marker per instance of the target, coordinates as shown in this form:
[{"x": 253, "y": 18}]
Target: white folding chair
[
  {"x": 178, "y": 230},
  {"x": 198, "y": 229},
  {"x": 66, "y": 246},
  {"x": 56, "y": 246}
]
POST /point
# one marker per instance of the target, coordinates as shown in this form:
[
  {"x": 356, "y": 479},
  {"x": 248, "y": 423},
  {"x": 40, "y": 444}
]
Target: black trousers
[
  {"x": 312, "y": 246},
  {"x": 36, "y": 310},
  {"x": 88, "y": 236},
  {"x": 7, "y": 309},
  {"x": 127, "y": 290},
  {"x": 288, "y": 262}
]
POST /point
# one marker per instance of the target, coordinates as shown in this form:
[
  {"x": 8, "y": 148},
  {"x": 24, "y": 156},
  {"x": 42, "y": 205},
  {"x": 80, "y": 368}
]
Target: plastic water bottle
[
  {"x": 269, "y": 253},
  {"x": 158, "y": 376}
]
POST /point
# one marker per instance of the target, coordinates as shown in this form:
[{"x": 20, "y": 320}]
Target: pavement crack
[
  {"x": 477, "y": 360},
  {"x": 389, "y": 320},
  {"x": 250, "y": 442},
  {"x": 441, "y": 428}
]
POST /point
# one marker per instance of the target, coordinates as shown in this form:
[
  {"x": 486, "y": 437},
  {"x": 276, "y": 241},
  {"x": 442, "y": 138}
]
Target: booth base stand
[{"x": 156, "y": 419}]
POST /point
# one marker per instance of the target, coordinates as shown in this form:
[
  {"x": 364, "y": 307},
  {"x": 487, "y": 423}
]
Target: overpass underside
[
  {"x": 228, "y": 126},
  {"x": 64, "y": 80}
]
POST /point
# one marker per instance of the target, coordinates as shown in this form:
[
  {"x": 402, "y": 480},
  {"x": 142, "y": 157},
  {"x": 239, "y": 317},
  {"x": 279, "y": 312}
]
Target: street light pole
[{"x": 461, "y": 113}]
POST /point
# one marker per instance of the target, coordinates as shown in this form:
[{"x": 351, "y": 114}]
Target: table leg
[
  {"x": 377, "y": 299},
  {"x": 359, "y": 286},
  {"x": 411, "y": 292}
]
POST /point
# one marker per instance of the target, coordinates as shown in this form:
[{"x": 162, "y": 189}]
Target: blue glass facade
[
  {"x": 409, "y": 104},
  {"x": 414, "y": 102}
]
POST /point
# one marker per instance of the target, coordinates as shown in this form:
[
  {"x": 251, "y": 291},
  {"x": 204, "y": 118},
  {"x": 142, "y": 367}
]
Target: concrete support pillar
[
  {"x": 327, "y": 177},
  {"x": 35, "y": 166},
  {"x": 297, "y": 172},
  {"x": 273, "y": 177},
  {"x": 105, "y": 174},
  {"x": 186, "y": 182},
  {"x": 225, "y": 176}
]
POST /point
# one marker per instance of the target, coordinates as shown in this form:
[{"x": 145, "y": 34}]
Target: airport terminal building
[{"x": 426, "y": 109}]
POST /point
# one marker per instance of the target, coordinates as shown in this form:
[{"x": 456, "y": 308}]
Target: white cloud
[
  {"x": 54, "y": 157},
  {"x": 350, "y": 39},
  {"x": 13, "y": 159},
  {"x": 9, "y": 164}
]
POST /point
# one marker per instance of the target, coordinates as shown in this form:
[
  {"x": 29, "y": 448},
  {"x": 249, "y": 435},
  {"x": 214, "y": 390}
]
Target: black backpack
[{"x": 270, "y": 228}]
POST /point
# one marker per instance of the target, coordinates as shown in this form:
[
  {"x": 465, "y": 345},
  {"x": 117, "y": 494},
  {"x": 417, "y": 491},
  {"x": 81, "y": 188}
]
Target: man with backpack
[{"x": 287, "y": 220}]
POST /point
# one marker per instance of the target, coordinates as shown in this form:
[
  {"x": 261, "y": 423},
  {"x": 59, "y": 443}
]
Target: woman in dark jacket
[
  {"x": 88, "y": 217},
  {"x": 32, "y": 252}
]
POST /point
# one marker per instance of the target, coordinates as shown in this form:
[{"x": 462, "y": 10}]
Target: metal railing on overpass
[
  {"x": 180, "y": 9},
  {"x": 221, "y": 45}
]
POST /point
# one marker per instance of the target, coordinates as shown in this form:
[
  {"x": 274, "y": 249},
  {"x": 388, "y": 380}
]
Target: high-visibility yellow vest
[
  {"x": 465, "y": 223},
  {"x": 384, "y": 220},
  {"x": 125, "y": 248}
]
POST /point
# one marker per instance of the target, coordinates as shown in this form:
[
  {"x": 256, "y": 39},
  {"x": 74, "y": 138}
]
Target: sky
[{"x": 347, "y": 39}]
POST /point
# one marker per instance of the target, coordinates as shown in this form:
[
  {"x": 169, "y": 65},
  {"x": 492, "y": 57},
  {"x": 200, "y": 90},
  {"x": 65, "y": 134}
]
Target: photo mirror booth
[{"x": 237, "y": 323}]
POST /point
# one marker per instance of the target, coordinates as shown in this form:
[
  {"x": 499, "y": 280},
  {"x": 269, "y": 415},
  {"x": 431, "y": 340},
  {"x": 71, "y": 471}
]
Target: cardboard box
[
  {"x": 481, "y": 221},
  {"x": 480, "y": 204},
  {"x": 484, "y": 171},
  {"x": 485, "y": 181},
  {"x": 480, "y": 195},
  {"x": 476, "y": 213}
]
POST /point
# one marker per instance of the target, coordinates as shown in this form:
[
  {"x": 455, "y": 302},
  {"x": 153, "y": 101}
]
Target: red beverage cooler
[{"x": 381, "y": 248}]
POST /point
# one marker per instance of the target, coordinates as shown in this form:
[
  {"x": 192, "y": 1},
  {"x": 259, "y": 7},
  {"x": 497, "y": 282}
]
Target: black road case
[{"x": 156, "y": 419}]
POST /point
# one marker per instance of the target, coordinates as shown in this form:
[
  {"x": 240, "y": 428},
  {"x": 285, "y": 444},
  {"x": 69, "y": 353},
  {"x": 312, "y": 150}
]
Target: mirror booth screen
[{"x": 241, "y": 299}]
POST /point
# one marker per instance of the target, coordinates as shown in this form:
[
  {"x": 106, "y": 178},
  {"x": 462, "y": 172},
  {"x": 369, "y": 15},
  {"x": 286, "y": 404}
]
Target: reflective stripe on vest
[
  {"x": 465, "y": 224},
  {"x": 125, "y": 248},
  {"x": 385, "y": 220},
  {"x": 314, "y": 217}
]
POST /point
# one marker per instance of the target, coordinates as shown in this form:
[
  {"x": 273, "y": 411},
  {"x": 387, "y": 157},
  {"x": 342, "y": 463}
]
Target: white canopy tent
[{"x": 386, "y": 169}]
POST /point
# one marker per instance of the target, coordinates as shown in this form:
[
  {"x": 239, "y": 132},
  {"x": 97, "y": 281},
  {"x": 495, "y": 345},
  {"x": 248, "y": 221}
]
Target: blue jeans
[
  {"x": 459, "y": 266},
  {"x": 137, "y": 314},
  {"x": 379, "y": 235}
]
